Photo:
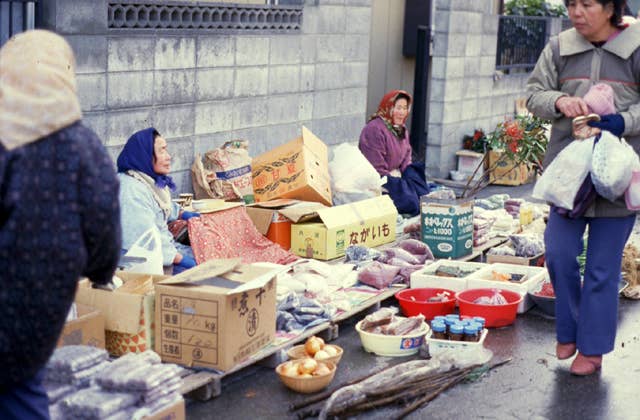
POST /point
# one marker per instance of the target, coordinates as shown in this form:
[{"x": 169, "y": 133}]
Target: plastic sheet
[
  {"x": 69, "y": 359},
  {"x": 136, "y": 376},
  {"x": 527, "y": 245},
  {"x": 96, "y": 403},
  {"x": 378, "y": 275}
]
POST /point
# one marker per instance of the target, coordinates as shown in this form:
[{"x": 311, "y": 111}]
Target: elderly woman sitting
[
  {"x": 384, "y": 141},
  {"x": 145, "y": 196}
]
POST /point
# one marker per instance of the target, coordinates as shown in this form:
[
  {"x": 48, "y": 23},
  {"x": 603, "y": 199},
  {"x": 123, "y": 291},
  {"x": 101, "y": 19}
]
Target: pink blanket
[{"x": 230, "y": 234}]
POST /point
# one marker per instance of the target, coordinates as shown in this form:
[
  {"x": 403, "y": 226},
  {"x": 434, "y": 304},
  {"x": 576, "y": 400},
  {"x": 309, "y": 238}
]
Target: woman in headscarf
[
  {"x": 384, "y": 141},
  {"x": 59, "y": 216},
  {"x": 145, "y": 196}
]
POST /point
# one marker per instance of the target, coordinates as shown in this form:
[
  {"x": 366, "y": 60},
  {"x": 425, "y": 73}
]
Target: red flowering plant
[
  {"x": 477, "y": 142},
  {"x": 521, "y": 140}
]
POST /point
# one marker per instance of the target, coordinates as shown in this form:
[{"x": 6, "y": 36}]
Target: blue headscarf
[{"x": 138, "y": 156}]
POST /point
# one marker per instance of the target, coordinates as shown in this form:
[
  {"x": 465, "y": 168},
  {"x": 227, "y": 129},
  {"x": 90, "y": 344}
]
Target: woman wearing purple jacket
[{"x": 384, "y": 141}]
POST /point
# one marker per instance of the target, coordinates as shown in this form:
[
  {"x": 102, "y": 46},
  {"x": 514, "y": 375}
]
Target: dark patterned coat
[{"x": 59, "y": 220}]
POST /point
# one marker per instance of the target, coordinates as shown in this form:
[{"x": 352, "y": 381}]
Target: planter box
[{"x": 505, "y": 173}]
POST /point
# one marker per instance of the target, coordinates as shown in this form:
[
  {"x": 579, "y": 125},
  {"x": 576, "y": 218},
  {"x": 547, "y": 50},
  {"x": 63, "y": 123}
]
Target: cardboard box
[
  {"x": 536, "y": 261},
  {"x": 370, "y": 222},
  {"x": 298, "y": 169},
  {"x": 468, "y": 161},
  {"x": 505, "y": 172},
  {"x": 447, "y": 226},
  {"x": 274, "y": 218},
  {"x": 217, "y": 314},
  {"x": 87, "y": 328},
  {"x": 174, "y": 412},
  {"x": 128, "y": 311}
]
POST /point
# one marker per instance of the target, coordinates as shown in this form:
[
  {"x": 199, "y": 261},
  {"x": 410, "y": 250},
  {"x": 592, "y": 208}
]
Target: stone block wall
[
  {"x": 201, "y": 88},
  {"x": 466, "y": 92}
]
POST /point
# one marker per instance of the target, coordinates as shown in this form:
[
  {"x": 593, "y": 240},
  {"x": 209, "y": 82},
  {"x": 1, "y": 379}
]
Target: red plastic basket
[
  {"x": 494, "y": 315},
  {"x": 419, "y": 304}
]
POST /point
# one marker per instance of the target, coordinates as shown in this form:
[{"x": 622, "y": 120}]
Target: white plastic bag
[
  {"x": 562, "y": 179},
  {"x": 353, "y": 178},
  {"x": 612, "y": 165},
  {"x": 149, "y": 247},
  {"x": 632, "y": 194}
]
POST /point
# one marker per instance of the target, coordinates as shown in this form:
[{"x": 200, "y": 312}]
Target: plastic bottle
[
  {"x": 526, "y": 214},
  {"x": 471, "y": 332},
  {"x": 439, "y": 330},
  {"x": 480, "y": 320},
  {"x": 456, "y": 332}
]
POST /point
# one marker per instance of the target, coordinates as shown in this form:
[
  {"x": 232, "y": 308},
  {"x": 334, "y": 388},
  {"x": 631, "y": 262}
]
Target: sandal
[
  {"x": 565, "y": 351},
  {"x": 585, "y": 365}
]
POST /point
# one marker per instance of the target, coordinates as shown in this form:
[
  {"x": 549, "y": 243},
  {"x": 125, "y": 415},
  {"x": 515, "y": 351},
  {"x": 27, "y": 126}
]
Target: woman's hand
[
  {"x": 396, "y": 173},
  {"x": 572, "y": 106}
]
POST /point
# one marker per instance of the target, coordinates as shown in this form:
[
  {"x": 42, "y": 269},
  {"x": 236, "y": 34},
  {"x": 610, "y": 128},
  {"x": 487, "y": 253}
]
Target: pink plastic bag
[{"x": 632, "y": 194}]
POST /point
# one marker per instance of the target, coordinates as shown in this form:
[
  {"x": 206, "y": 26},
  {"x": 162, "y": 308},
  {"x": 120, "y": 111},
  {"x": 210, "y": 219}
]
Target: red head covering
[{"x": 385, "y": 109}]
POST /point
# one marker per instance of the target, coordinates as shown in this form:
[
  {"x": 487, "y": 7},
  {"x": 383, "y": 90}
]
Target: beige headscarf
[{"x": 37, "y": 87}]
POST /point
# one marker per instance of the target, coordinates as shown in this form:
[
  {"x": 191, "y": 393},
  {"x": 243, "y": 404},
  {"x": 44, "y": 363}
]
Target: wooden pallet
[{"x": 202, "y": 385}]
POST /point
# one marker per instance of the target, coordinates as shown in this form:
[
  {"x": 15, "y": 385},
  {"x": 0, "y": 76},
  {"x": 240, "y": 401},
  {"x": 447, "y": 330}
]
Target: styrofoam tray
[
  {"x": 426, "y": 277},
  {"x": 437, "y": 346},
  {"x": 535, "y": 275}
]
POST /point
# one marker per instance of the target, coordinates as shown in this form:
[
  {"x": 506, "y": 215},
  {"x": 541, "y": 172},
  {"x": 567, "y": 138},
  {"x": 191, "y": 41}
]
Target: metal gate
[{"x": 16, "y": 16}]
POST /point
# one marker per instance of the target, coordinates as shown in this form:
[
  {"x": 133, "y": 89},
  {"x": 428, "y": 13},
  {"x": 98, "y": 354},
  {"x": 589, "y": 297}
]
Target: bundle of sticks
[{"x": 410, "y": 385}]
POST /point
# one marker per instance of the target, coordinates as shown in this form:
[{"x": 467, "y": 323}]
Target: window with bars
[{"x": 16, "y": 16}]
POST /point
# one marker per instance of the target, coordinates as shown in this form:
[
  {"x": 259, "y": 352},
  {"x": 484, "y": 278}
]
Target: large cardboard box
[
  {"x": 506, "y": 173},
  {"x": 447, "y": 226},
  {"x": 298, "y": 169},
  {"x": 274, "y": 218},
  {"x": 87, "y": 328},
  {"x": 128, "y": 311},
  {"x": 217, "y": 314},
  {"x": 370, "y": 222}
]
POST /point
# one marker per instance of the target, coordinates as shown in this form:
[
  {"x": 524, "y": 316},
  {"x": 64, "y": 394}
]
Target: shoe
[
  {"x": 565, "y": 351},
  {"x": 585, "y": 365}
]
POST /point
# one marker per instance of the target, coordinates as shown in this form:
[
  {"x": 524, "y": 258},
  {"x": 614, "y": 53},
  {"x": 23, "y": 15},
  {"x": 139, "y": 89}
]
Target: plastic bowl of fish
[
  {"x": 497, "y": 306},
  {"x": 403, "y": 344},
  {"x": 428, "y": 301}
]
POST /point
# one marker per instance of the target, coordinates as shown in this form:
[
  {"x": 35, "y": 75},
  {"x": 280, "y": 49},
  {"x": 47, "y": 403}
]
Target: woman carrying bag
[{"x": 598, "y": 49}]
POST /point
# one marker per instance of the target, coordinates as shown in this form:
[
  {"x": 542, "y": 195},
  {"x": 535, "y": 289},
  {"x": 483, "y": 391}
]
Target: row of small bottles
[{"x": 451, "y": 327}]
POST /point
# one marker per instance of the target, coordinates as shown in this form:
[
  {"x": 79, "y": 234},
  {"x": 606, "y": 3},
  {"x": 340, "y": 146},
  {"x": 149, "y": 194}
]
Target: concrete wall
[
  {"x": 466, "y": 92},
  {"x": 388, "y": 68},
  {"x": 200, "y": 89}
]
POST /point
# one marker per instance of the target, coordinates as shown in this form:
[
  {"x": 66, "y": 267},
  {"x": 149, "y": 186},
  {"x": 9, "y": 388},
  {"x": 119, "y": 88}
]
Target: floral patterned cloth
[{"x": 231, "y": 234}]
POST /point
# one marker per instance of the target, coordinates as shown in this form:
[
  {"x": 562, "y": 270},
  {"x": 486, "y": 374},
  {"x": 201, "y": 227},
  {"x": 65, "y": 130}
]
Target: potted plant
[{"x": 518, "y": 144}]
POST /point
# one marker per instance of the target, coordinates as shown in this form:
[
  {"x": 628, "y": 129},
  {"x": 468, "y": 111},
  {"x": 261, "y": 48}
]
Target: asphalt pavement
[{"x": 533, "y": 385}]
